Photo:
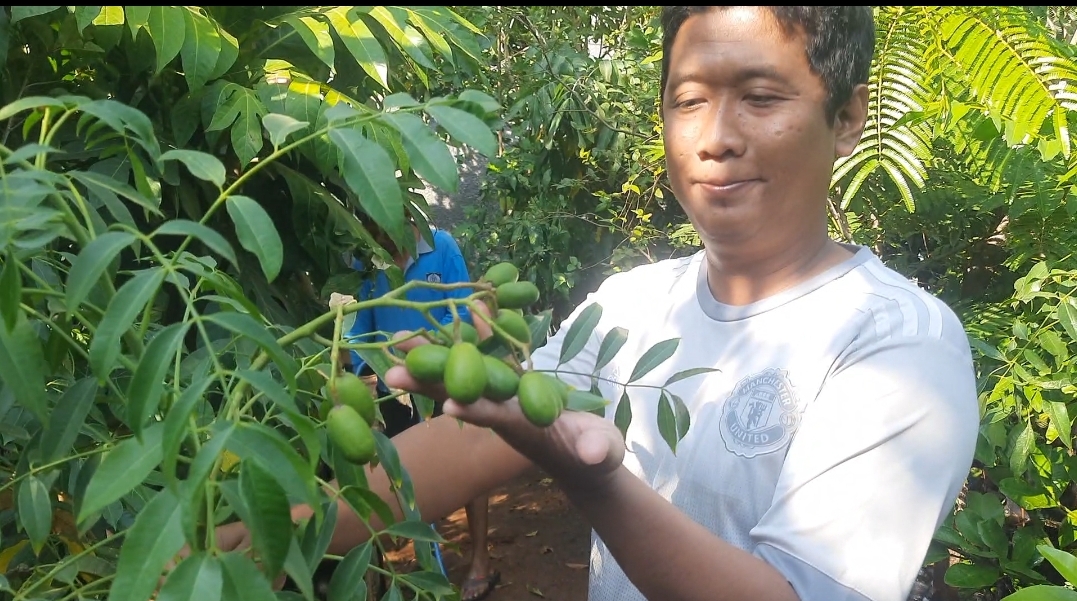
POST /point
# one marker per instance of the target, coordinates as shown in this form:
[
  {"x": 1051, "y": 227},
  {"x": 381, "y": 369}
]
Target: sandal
[{"x": 476, "y": 589}]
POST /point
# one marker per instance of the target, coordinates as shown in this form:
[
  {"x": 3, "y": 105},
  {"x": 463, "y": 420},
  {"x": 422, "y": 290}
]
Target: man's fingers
[
  {"x": 406, "y": 344},
  {"x": 483, "y": 328}
]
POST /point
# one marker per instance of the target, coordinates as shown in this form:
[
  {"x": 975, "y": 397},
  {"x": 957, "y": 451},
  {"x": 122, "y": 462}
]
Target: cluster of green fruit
[{"x": 456, "y": 359}]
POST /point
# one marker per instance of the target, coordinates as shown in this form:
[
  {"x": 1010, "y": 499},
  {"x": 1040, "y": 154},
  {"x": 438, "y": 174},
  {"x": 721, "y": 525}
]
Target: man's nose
[{"x": 722, "y": 136}]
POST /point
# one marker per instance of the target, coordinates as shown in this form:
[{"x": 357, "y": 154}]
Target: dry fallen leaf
[
  {"x": 534, "y": 591},
  {"x": 576, "y": 566},
  {"x": 531, "y": 533},
  {"x": 547, "y": 550},
  {"x": 546, "y": 481}
]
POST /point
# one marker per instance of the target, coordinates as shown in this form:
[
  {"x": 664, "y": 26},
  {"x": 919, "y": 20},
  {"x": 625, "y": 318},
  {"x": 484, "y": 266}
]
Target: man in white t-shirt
[{"x": 840, "y": 424}]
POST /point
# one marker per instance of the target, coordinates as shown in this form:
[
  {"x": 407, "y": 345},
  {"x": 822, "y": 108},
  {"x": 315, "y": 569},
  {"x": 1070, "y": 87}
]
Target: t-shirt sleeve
[
  {"x": 454, "y": 271},
  {"x": 878, "y": 461}
]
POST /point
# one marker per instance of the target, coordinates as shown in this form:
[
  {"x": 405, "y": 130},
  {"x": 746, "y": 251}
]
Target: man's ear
[{"x": 849, "y": 121}]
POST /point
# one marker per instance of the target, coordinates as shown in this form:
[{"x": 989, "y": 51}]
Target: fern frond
[
  {"x": 1012, "y": 67},
  {"x": 895, "y": 141}
]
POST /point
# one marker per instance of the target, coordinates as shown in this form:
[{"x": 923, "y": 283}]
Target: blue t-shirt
[{"x": 442, "y": 263}]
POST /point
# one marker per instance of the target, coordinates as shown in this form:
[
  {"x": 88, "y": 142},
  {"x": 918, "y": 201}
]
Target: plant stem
[{"x": 48, "y": 466}]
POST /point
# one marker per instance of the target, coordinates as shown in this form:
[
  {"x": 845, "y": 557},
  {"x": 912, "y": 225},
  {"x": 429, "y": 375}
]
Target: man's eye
[
  {"x": 689, "y": 102},
  {"x": 761, "y": 99}
]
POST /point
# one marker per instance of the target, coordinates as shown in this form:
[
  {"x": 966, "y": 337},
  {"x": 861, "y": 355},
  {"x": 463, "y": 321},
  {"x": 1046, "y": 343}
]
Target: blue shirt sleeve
[
  {"x": 453, "y": 271},
  {"x": 363, "y": 326}
]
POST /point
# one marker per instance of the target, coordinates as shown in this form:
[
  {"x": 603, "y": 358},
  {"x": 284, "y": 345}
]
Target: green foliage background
[{"x": 190, "y": 190}]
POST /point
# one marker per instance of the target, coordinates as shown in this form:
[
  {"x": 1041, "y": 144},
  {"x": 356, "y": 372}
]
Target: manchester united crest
[{"x": 761, "y": 414}]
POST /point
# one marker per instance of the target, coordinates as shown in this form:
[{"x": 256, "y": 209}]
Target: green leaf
[
  {"x": 347, "y": 579},
  {"x": 315, "y": 35},
  {"x": 148, "y": 382},
  {"x": 1042, "y": 592},
  {"x": 245, "y": 325},
  {"x": 280, "y": 126},
  {"x": 688, "y": 373},
  {"x": 399, "y": 100},
  {"x": 1064, "y": 562},
  {"x": 163, "y": 27},
  {"x": 74, "y": 405},
  {"x": 967, "y": 575},
  {"x": 228, "y": 55},
  {"x": 91, "y": 263},
  {"x": 18, "y": 13},
  {"x": 1067, "y": 316},
  {"x": 465, "y": 127},
  {"x": 581, "y": 400},
  {"x": 137, "y": 18},
  {"x": 10, "y": 292},
  {"x": 84, "y": 16},
  {"x": 433, "y": 36},
  {"x": 207, "y": 455},
  {"x": 23, "y": 368},
  {"x": 200, "y": 164},
  {"x": 1060, "y": 417},
  {"x": 35, "y": 511},
  {"x": 197, "y": 578},
  {"x": 368, "y": 171},
  {"x": 393, "y": 21},
  {"x": 177, "y": 422},
  {"x": 263, "y": 382},
  {"x": 1022, "y": 447},
  {"x": 481, "y": 99},
  {"x": 271, "y": 522},
  {"x": 109, "y": 15},
  {"x": 274, "y": 454},
  {"x": 318, "y": 535},
  {"x": 296, "y": 567},
  {"x": 121, "y": 315},
  {"x": 152, "y": 541},
  {"x": 986, "y": 349},
  {"x": 208, "y": 236},
  {"x": 415, "y": 530},
  {"x": 611, "y": 344},
  {"x": 361, "y": 43},
  {"x": 673, "y": 419},
  {"x": 623, "y": 416},
  {"x": 201, "y": 47},
  {"x": 430, "y": 157},
  {"x": 655, "y": 356},
  {"x": 123, "y": 468},
  {"x": 243, "y": 581},
  {"x": 257, "y": 234},
  {"x": 29, "y": 102},
  {"x": 246, "y": 133},
  {"x": 580, "y": 332},
  {"x": 91, "y": 178},
  {"x": 433, "y": 583}
]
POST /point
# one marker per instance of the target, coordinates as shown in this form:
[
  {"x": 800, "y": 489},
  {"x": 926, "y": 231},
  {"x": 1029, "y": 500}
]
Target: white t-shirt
[{"x": 832, "y": 443}]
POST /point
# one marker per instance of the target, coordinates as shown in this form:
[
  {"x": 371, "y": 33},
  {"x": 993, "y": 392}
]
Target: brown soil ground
[{"x": 537, "y": 541}]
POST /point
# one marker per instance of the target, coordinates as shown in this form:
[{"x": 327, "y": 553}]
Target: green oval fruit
[
  {"x": 426, "y": 363},
  {"x": 540, "y": 400},
  {"x": 465, "y": 373},
  {"x": 502, "y": 273},
  {"x": 516, "y": 295},
  {"x": 468, "y": 333},
  {"x": 564, "y": 388},
  {"x": 514, "y": 325},
  {"x": 501, "y": 379},
  {"x": 350, "y": 433},
  {"x": 353, "y": 392}
]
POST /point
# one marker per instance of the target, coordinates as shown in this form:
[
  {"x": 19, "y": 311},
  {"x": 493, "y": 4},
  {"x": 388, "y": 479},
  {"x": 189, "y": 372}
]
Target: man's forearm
[
  {"x": 449, "y": 465},
  {"x": 667, "y": 555}
]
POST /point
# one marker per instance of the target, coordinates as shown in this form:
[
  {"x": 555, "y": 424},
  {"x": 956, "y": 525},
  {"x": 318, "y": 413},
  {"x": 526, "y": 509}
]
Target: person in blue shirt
[{"x": 441, "y": 263}]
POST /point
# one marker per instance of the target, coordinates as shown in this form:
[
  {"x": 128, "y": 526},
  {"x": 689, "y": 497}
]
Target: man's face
[{"x": 749, "y": 148}]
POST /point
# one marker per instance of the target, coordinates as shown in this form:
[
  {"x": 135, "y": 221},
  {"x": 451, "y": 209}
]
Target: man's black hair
[{"x": 840, "y": 41}]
